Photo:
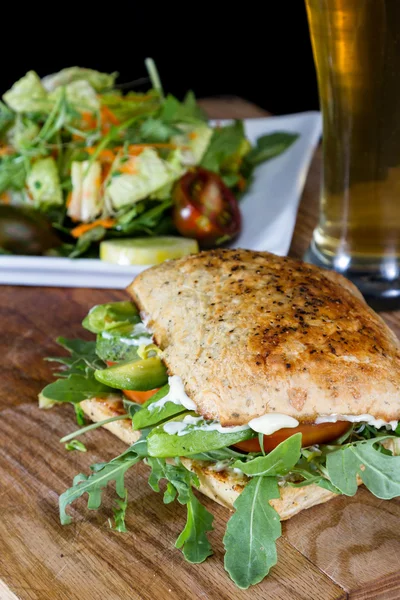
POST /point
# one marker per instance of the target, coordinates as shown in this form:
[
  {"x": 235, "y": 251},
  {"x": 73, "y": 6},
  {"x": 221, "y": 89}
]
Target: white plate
[{"x": 269, "y": 214}]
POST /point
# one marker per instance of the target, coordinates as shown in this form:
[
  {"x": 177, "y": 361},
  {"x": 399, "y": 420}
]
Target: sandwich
[{"x": 266, "y": 383}]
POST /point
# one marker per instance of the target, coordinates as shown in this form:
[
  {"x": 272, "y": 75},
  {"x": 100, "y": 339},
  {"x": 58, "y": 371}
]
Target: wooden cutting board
[{"x": 347, "y": 548}]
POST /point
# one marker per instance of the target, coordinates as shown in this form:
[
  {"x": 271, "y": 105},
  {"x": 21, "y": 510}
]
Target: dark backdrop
[{"x": 263, "y": 55}]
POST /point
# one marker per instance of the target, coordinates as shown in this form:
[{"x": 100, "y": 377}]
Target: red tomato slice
[
  {"x": 139, "y": 397},
  {"x": 312, "y": 434},
  {"x": 205, "y": 208}
]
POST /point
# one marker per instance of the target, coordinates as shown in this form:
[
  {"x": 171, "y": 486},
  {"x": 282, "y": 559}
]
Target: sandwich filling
[{"x": 272, "y": 452}]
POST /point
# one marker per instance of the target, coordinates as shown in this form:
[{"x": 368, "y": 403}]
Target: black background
[{"x": 259, "y": 52}]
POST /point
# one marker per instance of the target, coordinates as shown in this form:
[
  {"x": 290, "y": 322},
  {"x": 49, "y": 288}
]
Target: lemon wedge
[{"x": 146, "y": 251}]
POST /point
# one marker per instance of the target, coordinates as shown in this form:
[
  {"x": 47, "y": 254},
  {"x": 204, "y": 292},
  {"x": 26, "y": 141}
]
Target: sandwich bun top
[{"x": 252, "y": 333}]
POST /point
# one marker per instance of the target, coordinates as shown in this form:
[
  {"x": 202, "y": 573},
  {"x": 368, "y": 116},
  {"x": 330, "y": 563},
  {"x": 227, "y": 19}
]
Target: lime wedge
[{"x": 146, "y": 251}]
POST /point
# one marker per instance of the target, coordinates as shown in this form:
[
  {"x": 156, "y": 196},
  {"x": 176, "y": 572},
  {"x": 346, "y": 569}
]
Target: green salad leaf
[
  {"x": 120, "y": 513},
  {"x": 13, "y": 172},
  {"x": 225, "y": 142},
  {"x": 151, "y": 415},
  {"x": 270, "y": 145},
  {"x": 277, "y": 462},
  {"x": 187, "y": 111},
  {"x": 82, "y": 357},
  {"x": 95, "y": 483},
  {"x": 75, "y": 388},
  {"x": 251, "y": 533},
  {"x": 193, "y": 540},
  {"x": 199, "y": 437},
  {"x": 379, "y": 472}
]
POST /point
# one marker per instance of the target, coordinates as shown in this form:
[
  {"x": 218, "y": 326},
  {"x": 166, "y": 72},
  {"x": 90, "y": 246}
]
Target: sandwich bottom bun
[{"x": 221, "y": 486}]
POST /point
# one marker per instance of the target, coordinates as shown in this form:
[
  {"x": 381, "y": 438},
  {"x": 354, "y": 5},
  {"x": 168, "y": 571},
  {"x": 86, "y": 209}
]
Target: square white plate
[{"x": 269, "y": 212}]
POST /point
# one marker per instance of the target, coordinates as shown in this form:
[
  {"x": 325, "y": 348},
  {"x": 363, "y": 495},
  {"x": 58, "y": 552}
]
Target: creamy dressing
[
  {"x": 176, "y": 395},
  {"x": 139, "y": 330},
  {"x": 368, "y": 419},
  {"x": 271, "y": 422},
  {"x": 181, "y": 427}
]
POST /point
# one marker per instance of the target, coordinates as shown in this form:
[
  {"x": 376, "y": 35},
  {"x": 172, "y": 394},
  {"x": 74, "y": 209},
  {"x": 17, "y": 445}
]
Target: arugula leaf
[
  {"x": 196, "y": 440},
  {"x": 270, "y": 145},
  {"x": 277, "y": 462},
  {"x": 120, "y": 512},
  {"x": 251, "y": 533},
  {"x": 83, "y": 356},
  {"x": 187, "y": 111},
  {"x": 157, "y": 466},
  {"x": 379, "y": 472},
  {"x": 150, "y": 415},
  {"x": 95, "y": 483},
  {"x": 131, "y": 407},
  {"x": 75, "y": 445},
  {"x": 217, "y": 455},
  {"x": 115, "y": 348},
  {"x": 193, "y": 540},
  {"x": 76, "y": 388},
  {"x": 225, "y": 142},
  {"x": 156, "y": 130},
  {"x": 93, "y": 426}
]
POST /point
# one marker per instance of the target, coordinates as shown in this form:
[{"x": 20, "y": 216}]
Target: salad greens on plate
[
  {"x": 94, "y": 163},
  {"x": 123, "y": 358}
]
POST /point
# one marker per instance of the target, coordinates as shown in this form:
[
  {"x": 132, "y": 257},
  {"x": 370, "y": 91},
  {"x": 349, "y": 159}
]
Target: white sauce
[
  {"x": 138, "y": 330},
  {"x": 176, "y": 394},
  {"x": 370, "y": 420},
  {"x": 271, "y": 422},
  {"x": 181, "y": 427}
]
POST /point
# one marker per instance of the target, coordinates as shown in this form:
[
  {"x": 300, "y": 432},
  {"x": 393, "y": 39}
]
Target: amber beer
[{"x": 356, "y": 45}]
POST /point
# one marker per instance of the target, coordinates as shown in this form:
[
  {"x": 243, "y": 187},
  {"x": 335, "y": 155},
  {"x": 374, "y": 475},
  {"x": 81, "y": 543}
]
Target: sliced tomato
[
  {"x": 139, "y": 397},
  {"x": 205, "y": 208},
  {"x": 312, "y": 434}
]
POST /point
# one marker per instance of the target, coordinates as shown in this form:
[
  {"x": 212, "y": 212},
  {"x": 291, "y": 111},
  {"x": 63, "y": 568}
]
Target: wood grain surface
[{"x": 347, "y": 548}]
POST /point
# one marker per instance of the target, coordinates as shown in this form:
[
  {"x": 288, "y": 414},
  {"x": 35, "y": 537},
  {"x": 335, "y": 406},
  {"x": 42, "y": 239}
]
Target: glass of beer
[{"x": 356, "y": 45}]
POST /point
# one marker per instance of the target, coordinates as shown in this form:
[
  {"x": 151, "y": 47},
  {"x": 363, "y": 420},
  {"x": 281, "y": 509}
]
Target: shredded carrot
[
  {"x": 193, "y": 135},
  {"x": 108, "y": 116},
  {"x": 134, "y": 147},
  {"x": 5, "y": 198},
  {"x": 241, "y": 183},
  {"x": 89, "y": 120},
  {"x": 105, "y": 155},
  {"x": 69, "y": 199},
  {"x": 129, "y": 167},
  {"x": 84, "y": 227},
  {"x": 4, "y": 150}
]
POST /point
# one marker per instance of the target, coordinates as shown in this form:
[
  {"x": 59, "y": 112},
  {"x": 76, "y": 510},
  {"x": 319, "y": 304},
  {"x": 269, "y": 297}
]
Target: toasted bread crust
[
  {"x": 251, "y": 333},
  {"x": 221, "y": 486}
]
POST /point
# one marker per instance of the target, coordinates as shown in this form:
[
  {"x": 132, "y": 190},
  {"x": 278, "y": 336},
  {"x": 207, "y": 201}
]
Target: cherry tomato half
[
  {"x": 205, "y": 208},
  {"x": 312, "y": 434}
]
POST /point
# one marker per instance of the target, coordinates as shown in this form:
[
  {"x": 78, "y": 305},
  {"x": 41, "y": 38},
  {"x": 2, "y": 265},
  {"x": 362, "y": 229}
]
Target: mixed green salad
[
  {"x": 123, "y": 357},
  {"x": 78, "y": 154}
]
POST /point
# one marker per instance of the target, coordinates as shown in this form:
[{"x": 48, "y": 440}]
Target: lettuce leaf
[
  {"x": 28, "y": 95},
  {"x": 97, "y": 80}
]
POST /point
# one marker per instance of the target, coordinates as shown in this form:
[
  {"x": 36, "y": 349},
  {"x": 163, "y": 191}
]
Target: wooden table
[{"x": 347, "y": 548}]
